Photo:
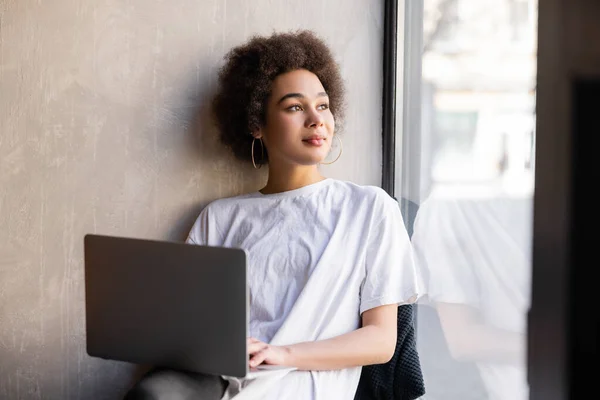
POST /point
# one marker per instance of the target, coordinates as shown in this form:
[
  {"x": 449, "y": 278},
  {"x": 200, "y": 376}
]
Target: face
[{"x": 299, "y": 125}]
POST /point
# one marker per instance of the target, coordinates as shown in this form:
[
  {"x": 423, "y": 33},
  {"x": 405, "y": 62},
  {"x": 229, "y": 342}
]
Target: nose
[{"x": 314, "y": 119}]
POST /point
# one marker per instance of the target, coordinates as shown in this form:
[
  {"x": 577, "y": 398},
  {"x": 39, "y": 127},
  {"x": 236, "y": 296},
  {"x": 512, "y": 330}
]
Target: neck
[{"x": 285, "y": 179}]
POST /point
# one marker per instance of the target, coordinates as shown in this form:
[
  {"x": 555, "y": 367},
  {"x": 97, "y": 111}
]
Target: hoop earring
[
  {"x": 262, "y": 153},
  {"x": 339, "y": 155}
]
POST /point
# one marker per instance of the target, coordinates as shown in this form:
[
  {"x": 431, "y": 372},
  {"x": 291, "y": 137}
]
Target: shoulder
[
  {"x": 374, "y": 195},
  {"x": 213, "y": 217},
  {"x": 224, "y": 205}
]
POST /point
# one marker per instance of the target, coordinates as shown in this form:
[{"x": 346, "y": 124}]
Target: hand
[{"x": 263, "y": 353}]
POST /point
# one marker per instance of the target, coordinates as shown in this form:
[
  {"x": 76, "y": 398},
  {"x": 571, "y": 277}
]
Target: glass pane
[{"x": 472, "y": 231}]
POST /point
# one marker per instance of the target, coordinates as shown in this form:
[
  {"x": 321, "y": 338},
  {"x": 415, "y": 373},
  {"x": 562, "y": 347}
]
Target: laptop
[{"x": 167, "y": 304}]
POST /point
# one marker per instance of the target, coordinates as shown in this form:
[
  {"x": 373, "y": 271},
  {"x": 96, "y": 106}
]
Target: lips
[{"x": 314, "y": 140}]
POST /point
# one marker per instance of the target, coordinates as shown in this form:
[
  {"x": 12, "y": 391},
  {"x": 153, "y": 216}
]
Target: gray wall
[{"x": 103, "y": 129}]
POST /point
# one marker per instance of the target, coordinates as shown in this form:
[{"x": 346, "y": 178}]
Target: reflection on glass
[{"x": 472, "y": 232}]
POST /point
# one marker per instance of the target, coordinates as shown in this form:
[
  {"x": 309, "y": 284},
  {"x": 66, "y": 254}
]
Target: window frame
[{"x": 401, "y": 99}]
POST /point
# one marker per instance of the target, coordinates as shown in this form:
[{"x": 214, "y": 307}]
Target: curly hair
[{"x": 246, "y": 78}]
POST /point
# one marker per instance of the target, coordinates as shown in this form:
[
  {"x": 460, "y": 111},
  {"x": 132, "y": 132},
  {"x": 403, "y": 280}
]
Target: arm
[
  {"x": 373, "y": 343},
  {"x": 471, "y": 339}
]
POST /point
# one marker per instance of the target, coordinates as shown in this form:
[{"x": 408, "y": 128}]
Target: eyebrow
[{"x": 299, "y": 96}]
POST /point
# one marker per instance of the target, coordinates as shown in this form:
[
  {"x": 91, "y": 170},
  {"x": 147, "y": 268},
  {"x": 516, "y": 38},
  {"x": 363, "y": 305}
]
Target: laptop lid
[{"x": 167, "y": 304}]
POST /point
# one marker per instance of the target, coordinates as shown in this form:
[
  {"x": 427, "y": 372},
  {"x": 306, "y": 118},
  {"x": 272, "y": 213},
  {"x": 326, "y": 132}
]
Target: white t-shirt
[
  {"x": 477, "y": 252},
  {"x": 319, "y": 256}
]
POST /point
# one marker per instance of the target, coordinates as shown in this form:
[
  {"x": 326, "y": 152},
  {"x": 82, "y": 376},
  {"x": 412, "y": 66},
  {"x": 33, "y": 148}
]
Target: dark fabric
[
  {"x": 401, "y": 378},
  {"x": 167, "y": 384}
]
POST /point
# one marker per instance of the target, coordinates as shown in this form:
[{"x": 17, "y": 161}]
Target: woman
[{"x": 329, "y": 261}]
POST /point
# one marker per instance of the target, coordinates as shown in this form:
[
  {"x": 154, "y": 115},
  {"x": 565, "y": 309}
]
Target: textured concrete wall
[{"x": 103, "y": 129}]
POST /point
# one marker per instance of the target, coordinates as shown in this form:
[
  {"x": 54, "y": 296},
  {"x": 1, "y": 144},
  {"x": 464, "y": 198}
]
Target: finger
[
  {"x": 252, "y": 340},
  {"x": 259, "y": 358},
  {"x": 256, "y": 347}
]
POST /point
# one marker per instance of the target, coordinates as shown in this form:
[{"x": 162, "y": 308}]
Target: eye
[
  {"x": 323, "y": 106},
  {"x": 295, "y": 107}
]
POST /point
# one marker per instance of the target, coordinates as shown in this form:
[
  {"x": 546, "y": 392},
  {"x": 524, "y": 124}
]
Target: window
[{"x": 464, "y": 154}]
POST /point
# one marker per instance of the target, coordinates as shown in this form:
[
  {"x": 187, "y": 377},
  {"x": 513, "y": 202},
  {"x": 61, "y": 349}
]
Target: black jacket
[{"x": 400, "y": 378}]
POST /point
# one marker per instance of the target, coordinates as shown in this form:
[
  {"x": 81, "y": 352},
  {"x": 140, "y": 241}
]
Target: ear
[{"x": 257, "y": 134}]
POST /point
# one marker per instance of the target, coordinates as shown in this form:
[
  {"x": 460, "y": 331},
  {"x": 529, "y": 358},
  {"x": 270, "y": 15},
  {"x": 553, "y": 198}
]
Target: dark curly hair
[{"x": 246, "y": 77}]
